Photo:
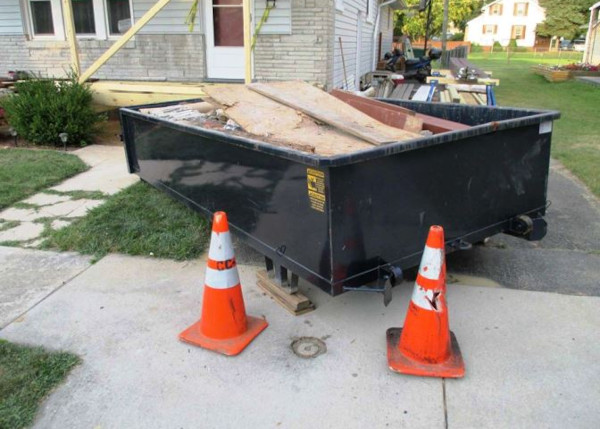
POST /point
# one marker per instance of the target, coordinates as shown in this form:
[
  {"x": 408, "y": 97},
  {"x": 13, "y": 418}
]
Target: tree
[
  {"x": 413, "y": 23},
  {"x": 565, "y": 18}
]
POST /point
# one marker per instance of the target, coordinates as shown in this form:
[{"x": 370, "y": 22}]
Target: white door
[{"x": 224, "y": 39}]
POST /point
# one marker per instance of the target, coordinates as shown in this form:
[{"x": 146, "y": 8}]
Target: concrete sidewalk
[
  {"x": 532, "y": 358},
  {"x": 107, "y": 175},
  {"x": 29, "y": 276}
]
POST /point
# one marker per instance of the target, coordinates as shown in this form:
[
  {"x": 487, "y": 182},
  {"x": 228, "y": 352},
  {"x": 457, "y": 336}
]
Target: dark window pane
[
  {"x": 41, "y": 15},
  {"x": 229, "y": 26},
  {"x": 118, "y": 10},
  {"x": 83, "y": 15}
]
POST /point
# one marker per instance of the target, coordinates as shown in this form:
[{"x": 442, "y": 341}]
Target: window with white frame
[
  {"x": 46, "y": 20},
  {"x": 83, "y": 17},
  {"x": 118, "y": 16},
  {"x": 520, "y": 9},
  {"x": 496, "y": 9},
  {"x": 517, "y": 32},
  {"x": 92, "y": 18},
  {"x": 490, "y": 29}
]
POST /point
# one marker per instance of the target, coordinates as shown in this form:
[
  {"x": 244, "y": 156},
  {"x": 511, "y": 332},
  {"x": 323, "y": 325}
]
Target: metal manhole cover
[{"x": 308, "y": 347}]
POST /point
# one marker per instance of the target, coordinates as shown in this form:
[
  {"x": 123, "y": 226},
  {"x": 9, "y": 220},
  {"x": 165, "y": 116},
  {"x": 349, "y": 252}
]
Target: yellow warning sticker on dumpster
[{"x": 315, "y": 181}]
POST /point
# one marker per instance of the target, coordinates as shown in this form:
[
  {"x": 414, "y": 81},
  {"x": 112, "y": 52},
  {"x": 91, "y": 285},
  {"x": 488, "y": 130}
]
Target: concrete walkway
[
  {"x": 61, "y": 204},
  {"x": 29, "y": 276},
  {"x": 532, "y": 358},
  {"x": 592, "y": 80}
]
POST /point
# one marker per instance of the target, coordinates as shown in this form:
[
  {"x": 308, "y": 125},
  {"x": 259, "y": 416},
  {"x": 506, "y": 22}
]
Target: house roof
[
  {"x": 489, "y": 4},
  {"x": 501, "y": 1},
  {"x": 398, "y": 4}
]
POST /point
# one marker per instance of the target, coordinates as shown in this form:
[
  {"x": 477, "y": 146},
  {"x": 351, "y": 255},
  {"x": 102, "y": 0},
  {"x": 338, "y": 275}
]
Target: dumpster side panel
[
  {"x": 266, "y": 198},
  {"x": 382, "y": 208}
]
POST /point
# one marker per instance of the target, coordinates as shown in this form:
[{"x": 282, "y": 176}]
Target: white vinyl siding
[
  {"x": 346, "y": 26},
  {"x": 280, "y": 17},
  {"x": 488, "y": 28},
  {"x": 171, "y": 19},
  {"x": 10, "y": 17}
]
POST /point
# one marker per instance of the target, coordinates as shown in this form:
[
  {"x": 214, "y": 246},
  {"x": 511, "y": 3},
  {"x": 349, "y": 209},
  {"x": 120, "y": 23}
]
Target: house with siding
[
  {"x": 310, "y": 40},
  {"x": 505, "y": 20},
  {"x": 592, "y": 43}
]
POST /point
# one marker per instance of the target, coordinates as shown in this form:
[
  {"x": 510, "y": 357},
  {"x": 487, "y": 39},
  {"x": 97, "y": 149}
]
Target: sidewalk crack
[
  {"x": 445, "y": 404},
  {"x": 63, "y": 284}
]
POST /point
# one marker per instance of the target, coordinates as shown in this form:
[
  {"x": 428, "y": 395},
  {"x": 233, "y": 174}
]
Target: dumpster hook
[
  {"x": 461, "y": 244},
  {"x": 389, "y": 276}
]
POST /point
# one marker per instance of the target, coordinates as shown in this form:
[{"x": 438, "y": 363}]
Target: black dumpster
[{"x": 342, "y": 222}]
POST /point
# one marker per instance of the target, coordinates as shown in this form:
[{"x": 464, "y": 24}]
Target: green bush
[
  {"x": 498, "y": 47},
  {"x": 43, "y": 108},
  {"x": 476, "y": 48},
  {"x": 458, "y": 37}
]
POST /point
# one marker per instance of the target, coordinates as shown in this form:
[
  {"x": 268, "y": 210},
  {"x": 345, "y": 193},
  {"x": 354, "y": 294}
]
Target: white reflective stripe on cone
[
  {"x": 431, "y": 263},
  {"x": 425, "y": 297},
  {"x": 221, "y": 279},
  {"x": 220, "y": 248}
]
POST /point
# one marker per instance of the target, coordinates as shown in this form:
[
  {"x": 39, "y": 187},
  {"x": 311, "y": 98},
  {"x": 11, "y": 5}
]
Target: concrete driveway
[
  {"x": 532, "y": 358},
  {"x": 567, "y": 260}
]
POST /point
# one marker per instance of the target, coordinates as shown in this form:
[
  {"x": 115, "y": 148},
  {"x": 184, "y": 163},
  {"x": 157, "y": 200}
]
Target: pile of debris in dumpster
[{"x": 300, "y": 116}]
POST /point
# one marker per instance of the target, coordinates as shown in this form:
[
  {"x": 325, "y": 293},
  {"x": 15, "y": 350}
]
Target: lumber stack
[{"x": 446, "y": 93}]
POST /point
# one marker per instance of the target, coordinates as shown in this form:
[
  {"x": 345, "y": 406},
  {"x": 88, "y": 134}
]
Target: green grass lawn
[
  {"x": 576, "y": 136},
  {"x": 27, "y": 375},
  {"x": 23, "y": 172},
  {"x": 139, "y": 220}
]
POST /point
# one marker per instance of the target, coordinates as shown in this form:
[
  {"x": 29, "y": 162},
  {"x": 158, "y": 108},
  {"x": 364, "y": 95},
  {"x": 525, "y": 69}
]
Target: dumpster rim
[{"x": 535, "y": 116}]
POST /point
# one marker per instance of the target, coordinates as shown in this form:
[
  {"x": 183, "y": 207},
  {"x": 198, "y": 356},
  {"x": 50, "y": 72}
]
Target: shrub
[
  {"x": 43, "y": 108},
  {"x": 458, "y": 37},
  {"x": 476, "y": 48},
  {"x": 498, "y": 47}
]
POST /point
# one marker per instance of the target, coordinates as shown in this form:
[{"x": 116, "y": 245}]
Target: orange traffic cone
[
  {"x": 425, "y": 346},
  {"x": 223, "y": 326}
]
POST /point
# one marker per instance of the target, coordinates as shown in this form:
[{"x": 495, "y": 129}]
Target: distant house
[
  {"x": 300, "y": 39},
  {"x": 592, "y": 43},
  {"x": 503, "y": 20}
]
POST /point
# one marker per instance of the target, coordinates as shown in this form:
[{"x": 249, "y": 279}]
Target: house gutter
[{"x": 376, "y": 30}]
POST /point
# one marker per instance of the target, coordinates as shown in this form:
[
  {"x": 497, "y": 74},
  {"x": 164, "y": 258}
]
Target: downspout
[{"x": 376, "y": 31}]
